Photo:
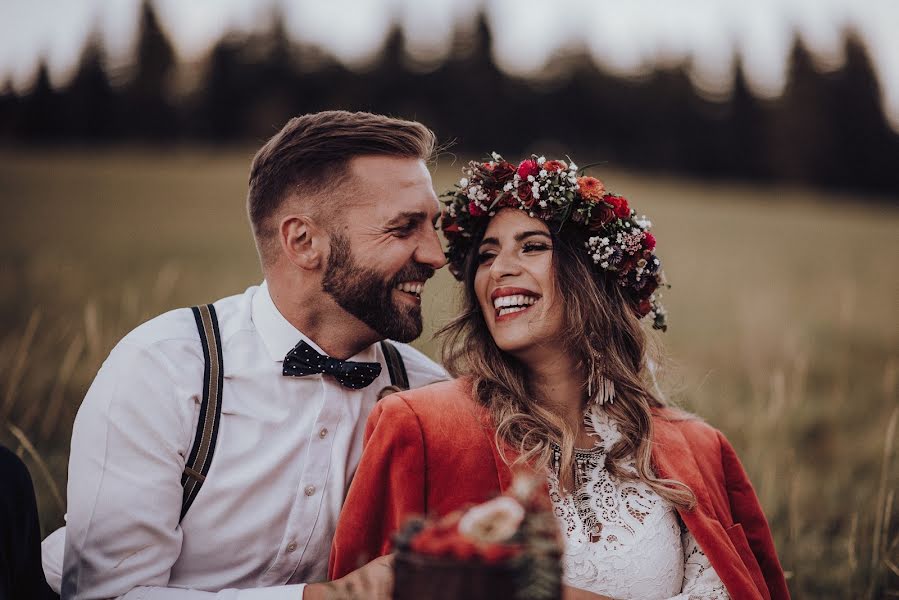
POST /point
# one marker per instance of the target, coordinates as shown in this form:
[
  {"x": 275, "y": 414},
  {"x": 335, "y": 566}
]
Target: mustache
[{"x": 413, "y": 272}]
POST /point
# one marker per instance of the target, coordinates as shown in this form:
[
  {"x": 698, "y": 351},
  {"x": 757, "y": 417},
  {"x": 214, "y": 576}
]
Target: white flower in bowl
[{"x": 492, "y": 522}]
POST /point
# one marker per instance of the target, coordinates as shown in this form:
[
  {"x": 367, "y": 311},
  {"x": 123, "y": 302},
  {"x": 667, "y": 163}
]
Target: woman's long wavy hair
[{"x": 602, "y": 331}]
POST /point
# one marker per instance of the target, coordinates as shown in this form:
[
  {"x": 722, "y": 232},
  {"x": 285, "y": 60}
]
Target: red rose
[
  {"x": 503, "y": 172},
  {"x": 474, "y": 210},
  {"x": 649, "y": 241},
  {"x": 554, "y": 165},
  {"x": 448, "y": 224},
  {"x": 526, "y": 194},
  {"x": 528, "y": 167},
  {"x": 460, "y": 547},
  {"x": 507, "y": 200},
  {"x": 427, "y": 542},
  {"x": 619, "y": 204},
  {"x": 644, "y": 307},
  {"x": 601, "y": 214},
  {"x": 493, "y": 554}
]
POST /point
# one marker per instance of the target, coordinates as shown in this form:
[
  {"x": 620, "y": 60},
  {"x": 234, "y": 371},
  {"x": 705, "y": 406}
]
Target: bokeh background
[{"x": 761, "y": 138}]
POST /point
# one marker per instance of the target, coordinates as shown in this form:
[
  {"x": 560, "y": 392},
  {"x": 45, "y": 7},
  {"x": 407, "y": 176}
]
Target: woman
[{"x": 552, "y": 372}]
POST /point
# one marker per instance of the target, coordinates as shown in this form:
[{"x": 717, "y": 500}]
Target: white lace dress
[{"x": 623, "y": 540}]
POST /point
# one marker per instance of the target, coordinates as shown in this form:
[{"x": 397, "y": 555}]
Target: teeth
[
  {"x": 510, "y": 310},
  {"x": 412, "y": 288},
  {"x": 517, "y": 300}
]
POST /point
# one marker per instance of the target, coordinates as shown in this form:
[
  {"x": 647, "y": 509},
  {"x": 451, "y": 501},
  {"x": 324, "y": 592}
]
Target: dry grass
[{"x": 783, "y": 325}]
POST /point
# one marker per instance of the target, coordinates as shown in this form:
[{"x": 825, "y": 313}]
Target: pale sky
[{"x": 624, "y": 36}]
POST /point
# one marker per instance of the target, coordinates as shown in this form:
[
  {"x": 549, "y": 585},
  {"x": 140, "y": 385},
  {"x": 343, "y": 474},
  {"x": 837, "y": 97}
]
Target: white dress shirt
[{"x": 287, "y": 449}]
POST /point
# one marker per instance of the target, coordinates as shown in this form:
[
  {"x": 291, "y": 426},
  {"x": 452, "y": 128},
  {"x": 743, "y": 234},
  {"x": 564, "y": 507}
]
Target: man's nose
[{"x": 430, "y": 252}]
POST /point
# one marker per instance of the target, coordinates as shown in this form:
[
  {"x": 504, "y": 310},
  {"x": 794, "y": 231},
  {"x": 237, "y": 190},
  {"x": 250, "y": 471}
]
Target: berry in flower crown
[{"x": 556, "y": 192}]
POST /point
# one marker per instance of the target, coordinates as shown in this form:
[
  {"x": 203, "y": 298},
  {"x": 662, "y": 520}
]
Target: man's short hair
[{"x": 312, "y": 153}]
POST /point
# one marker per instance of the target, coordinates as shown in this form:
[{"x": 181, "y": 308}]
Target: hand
[
  {"x": 573, "y": 593},
  {"x": 374, "y": 580}
]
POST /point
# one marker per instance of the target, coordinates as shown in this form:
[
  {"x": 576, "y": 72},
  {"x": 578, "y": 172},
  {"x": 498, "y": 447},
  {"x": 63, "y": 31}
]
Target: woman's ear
[{"x": 303, "y": 242}]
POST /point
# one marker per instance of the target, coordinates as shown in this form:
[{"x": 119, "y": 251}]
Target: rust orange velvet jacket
[{"x": 431, "y": 451}]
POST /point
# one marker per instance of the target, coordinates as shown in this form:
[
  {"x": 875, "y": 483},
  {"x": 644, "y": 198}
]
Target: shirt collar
[{"x": 279, "y": 336}]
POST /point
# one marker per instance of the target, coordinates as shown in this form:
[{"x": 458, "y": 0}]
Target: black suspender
[
  {"x": 398, "y": 376},
  {"x": 200, "y": 459},
  {"x": 197, "y": 465}
]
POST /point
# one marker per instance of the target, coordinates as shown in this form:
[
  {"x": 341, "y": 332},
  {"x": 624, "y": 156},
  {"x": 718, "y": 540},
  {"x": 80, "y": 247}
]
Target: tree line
[{"x": 827, "y": 128}]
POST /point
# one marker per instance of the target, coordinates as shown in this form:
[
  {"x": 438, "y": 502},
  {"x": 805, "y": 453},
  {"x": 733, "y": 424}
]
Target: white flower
[
  {"x": 463, "y": 182},
  {"x": 644, "y": 223},
  {"x": 531, "y": 178},
  {"x": 543, "y": 173},
  {"x": 572, "y": 167},
  {"x": 524, "y": 486},
  {"x": 541, "y": 160},
  {"x": 496, "y": 156},
  {"x": 493, "y": 521},
  {"x": 543, "y": 204}
]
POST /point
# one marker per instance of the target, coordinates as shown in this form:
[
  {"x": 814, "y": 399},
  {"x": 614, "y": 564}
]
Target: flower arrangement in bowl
[{"x": 507, "y": 547}]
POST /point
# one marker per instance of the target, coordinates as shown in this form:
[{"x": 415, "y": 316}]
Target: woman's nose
[{"x": 504, "y": 264}]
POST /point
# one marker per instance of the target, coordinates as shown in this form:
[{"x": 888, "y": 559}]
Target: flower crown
[{"x": 619, "y": 242}]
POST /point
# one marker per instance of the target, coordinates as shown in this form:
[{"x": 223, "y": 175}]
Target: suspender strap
[
  {"x": 200, "y": 459},
  {"x": 395, "y": 366}
]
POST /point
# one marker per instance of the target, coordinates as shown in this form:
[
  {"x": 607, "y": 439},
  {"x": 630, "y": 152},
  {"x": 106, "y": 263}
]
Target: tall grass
[{"x": 783, "y": 325}]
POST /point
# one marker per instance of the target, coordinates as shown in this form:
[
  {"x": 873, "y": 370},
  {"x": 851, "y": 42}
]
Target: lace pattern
[{"x": 621, "y": 538}]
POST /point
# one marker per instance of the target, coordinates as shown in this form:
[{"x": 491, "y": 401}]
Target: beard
[{"x": 363, "y": 292}]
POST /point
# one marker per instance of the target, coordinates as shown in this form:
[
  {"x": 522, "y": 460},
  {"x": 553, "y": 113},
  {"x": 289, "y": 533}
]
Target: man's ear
[{"x": 303, "y": 242}]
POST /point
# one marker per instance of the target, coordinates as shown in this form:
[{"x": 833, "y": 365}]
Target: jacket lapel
[{"x": 673, "y": 458}]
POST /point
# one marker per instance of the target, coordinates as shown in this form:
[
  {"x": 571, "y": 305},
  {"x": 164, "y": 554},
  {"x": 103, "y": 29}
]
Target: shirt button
[
  {"x": 310, "y": 489},
  {"x": 291, "y": 547},
  {"x": 323, "y": 433}
]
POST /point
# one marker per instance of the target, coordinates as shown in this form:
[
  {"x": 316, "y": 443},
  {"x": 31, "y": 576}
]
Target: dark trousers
[{"x": 21, "y": 573}]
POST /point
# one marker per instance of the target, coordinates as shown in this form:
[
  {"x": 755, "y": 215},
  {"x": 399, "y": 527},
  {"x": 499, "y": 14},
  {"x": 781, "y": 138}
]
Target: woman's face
[{"x": 515, "y": 285}]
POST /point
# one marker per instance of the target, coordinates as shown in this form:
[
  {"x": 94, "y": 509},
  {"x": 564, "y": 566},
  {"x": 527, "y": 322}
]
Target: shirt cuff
[{"x": 282, "y": 592}]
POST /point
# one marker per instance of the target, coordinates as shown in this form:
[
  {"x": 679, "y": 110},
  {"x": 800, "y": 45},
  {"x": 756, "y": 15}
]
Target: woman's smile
[{"x": 511, "y": 302}]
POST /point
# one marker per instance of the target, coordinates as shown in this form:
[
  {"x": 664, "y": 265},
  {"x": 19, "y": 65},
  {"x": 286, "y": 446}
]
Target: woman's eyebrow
[
  {"x": 518, "y": 237},
  {"x": 527, "y": 234}
]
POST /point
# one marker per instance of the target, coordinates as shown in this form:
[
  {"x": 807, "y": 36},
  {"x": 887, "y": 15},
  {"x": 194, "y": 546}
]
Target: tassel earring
[
  {"x": 605, "y": 387},
  {"x": 606, "y": 391}
]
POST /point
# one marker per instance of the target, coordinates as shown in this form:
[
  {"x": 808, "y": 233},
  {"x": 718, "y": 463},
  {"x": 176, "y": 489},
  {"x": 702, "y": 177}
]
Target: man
[
  {"x": 20, "y": 533},
  {"x": 343, "y": 212}
]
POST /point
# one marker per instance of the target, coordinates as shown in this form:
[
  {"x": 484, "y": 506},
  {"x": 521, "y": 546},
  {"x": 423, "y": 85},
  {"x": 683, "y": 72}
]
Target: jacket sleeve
[
  {"x": 747, "y": 511},
  {"x": 388, "y": 487}
]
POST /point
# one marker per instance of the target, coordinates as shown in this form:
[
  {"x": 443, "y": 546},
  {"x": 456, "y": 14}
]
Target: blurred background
[{"x": 762, "y": 139}]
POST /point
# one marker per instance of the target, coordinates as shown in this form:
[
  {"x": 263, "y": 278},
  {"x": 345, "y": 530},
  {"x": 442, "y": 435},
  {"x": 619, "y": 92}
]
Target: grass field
[{"x": 783, "y": 324}]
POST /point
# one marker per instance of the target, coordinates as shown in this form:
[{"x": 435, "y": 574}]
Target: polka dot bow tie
[{"x": 304, "y": 360}]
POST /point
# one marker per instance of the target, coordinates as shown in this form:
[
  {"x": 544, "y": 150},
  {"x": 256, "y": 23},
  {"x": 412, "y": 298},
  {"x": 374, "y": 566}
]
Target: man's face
[{"x": 386, "y": 246}]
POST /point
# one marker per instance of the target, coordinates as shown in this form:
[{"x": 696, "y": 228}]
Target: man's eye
[{"x": 404, "y": 231}]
